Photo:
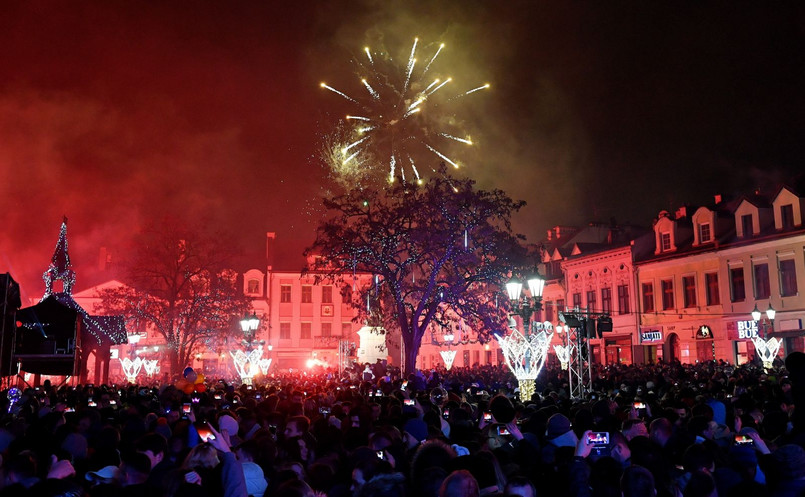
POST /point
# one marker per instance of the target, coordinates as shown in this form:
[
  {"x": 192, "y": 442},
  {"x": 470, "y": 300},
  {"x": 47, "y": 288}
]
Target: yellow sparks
[
  {"x": 433, "y": 58},
  {"x": 462, "y": 140},
  {"x": 328, "y": 87},
  {"x": 358, "y": 142},
  {"x": 369, "y": 55},
  {"x": 437, "y": 88},
  {"x": 442, "y": 156},
  {"x": 484, "y": 87},
  {"x": 359, "y": 118},
  {"x": 371, "y": 90}
]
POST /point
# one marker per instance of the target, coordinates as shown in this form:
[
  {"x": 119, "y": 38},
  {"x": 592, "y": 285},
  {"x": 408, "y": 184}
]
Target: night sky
[{"x": 115, "y": 113}]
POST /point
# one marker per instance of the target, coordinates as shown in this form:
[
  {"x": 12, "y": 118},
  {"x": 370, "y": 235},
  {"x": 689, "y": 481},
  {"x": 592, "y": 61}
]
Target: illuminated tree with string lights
[
  {"x": 178, "y": 284},
  {"x": 439, "y": 251}
]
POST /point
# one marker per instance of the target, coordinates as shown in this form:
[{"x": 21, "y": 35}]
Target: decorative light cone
[
  {"x": 247, "y": 364},
  {"x": 563, "y": 354},
  {"x": 264, "y": 365},
  {"x": 131, "y": 368},
  {"x": 767, "y": 350},
  {"x": 448, "y": 356},
  {"x": 525, "y": 355},
  {"x": 151, "y": 366}
]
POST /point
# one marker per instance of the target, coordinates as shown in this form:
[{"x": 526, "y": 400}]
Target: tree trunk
[
  {"x": 174, "y": 363},
  {"x": 411, "y": 343}
]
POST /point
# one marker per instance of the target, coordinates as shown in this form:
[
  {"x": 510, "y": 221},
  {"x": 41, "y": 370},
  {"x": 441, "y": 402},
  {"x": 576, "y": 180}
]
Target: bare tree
[
  {"x": 180, "y": 283},
  {"x": 438, "y": 251}
]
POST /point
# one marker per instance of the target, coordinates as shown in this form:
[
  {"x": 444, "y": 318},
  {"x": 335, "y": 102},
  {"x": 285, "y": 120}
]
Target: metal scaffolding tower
[{"x": 579, "y": 372}]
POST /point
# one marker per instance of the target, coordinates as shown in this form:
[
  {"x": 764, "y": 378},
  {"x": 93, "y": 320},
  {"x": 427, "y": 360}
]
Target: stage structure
[{"x": 581, "y": 325}]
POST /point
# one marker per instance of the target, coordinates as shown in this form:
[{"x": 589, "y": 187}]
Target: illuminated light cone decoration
[
  {"x": 247, "y": 363},
  {"x": 766, "y": 349},
  {"x": 563, "y": 354},
  {"x": 151, "y": 366},
  {"x": 131, "y": 368},
  {"x": 448, "y": 356},
  {"x": 525, "y": 354},
  {"x": 264, "y": 365}
]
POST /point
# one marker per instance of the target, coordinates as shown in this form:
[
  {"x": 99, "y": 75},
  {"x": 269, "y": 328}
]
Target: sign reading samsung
[
  {"x": 747, "y": 330},
  {"x": 650, "y": 336}
]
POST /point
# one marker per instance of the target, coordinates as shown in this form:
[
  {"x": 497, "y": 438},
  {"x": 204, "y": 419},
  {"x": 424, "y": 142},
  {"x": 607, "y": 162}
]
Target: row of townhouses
[{"x": 682, "y": 290}]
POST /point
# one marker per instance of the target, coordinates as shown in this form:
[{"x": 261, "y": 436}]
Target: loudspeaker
[
  {"x": 589, "y": 327},
  {"x": 604, "y": 324},
  {"x": 9, "y": 304}
]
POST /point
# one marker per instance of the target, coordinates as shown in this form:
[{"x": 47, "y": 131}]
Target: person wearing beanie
[{"x": 558, "y": 434}]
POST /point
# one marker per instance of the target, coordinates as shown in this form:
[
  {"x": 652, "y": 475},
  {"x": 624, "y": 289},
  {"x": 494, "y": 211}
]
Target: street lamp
[
  {"x": 247, "y": 362},
  {"x": 525, "y": 352},
  {"x": 765, "y": 347},
  {"x": 449, "y": 355}
]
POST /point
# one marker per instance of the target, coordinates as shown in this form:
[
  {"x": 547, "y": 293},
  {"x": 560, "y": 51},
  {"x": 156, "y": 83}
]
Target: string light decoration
[
  {"x": 525, "y": 354},
  {"x": 247, "y": 363},
  {"x": 151, "y": 366},
  {"x": 767, "y": 350},
  {"x": 563, "y": 354},
  {"x": 131, "y": 368},
  {"x": 60, "y": 267},
  {"x": 448, "y": 356},
  {"x": 264, "y": 364}
]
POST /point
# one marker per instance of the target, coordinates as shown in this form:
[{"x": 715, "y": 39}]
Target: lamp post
[
  {"x": 132, "y": 365},
  {"x": 247, "y": 361},
  {"x": 525, "y": 352},
  {"x": 765, "y": 347}
]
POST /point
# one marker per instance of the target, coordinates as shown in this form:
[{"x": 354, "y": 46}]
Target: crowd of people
[{"x": 666, "y": 429}]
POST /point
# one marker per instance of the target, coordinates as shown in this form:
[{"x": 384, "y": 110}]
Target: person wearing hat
[{"x": 558, "y": 434}]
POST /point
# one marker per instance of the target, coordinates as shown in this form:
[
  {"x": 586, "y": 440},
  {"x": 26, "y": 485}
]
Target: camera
[
  {"x": 743, "y": 441},
  {"x": 409, "y": 402},
  {"x": 487, "y": 416},
  {"x": 445, "y": 413},
  {"x": 324, "y": 410},
  {"x": 503, "y": 431},
  {"x": 185, "y": 408},
  {"x": 381, "y": 455}
]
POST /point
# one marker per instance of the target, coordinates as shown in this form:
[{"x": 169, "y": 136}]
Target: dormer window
[
  {"x": 747, "y": 225},
  {"x": 787, "y": 216},
  {"x": 665, "y": 241},
  {"x": 705, "y": 234}
]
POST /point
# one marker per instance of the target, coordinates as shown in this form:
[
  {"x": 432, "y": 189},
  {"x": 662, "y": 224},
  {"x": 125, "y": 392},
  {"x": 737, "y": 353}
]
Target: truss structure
[{"x": 578, "y": 372}]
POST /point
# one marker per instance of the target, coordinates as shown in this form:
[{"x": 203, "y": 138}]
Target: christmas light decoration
[
  {"x": 151, "y": 366},
  {"x": 766, "y": 350},
  {"x": 563, "y": 354},
  {"x": 525, "y": 354},
  {"x": 264, "y": 365},
  {"x": 247, "y": 363},
  {"x": 448, "y": 356},
  {"x": 131, "y": 368}
]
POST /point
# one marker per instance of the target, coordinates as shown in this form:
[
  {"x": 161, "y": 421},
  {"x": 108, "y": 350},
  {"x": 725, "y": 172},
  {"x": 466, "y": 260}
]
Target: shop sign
[
  {"x": 650, "y": 336},
  {"x": 704, "y": 333},
  {"x": 742, "y": 330}
]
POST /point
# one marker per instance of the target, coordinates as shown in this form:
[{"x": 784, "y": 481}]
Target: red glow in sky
[{"x": 116, "y": 113}]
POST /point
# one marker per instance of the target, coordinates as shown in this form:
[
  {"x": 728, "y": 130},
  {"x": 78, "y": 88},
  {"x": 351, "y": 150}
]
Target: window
[
  {"x": 326, "y": 329},
  {"x": 606, "y": 300},
  {"x": 737, "y": 287},
  {"x": 285, "y": 293},
  {"x": 788, "y": 278},
  {"x": 746, "y": 225},
  {"x": 648, "y": 297},
  {"x": 704, "y": 233},
  {"x": 560, "y": 305},
  {"x": 346, "y": 329},
  {"x": 307, "y": 294},
  {"x": 253, "y": 286},
  {"x": 548, "y": 306},
  {"x": 762, "y": 287},
  {"x": 305, "y": 333},
  {"x": 665, "y": 241},
  {"x": 285, "y": 331},
  {"x": 667, "y": 294},
  {"x": 711, "y": 282},
  {"x": 689, "y": 287},
  {"x": 591, "y": 300},
  {"x": 623, "y": 299},
  {"x": 787, "y": 216},
  {"x": 327, "y": 294},
  {"x": 577, "y": 300}
]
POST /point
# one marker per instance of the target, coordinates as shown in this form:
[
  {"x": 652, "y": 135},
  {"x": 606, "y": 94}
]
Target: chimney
[
  {"x": 270, "y": 236},
  {"x": 681, "y": 212},
  {"x": 717, "y": 198}
]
